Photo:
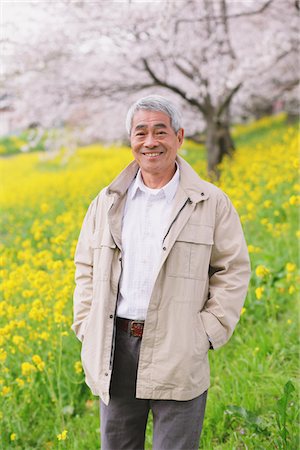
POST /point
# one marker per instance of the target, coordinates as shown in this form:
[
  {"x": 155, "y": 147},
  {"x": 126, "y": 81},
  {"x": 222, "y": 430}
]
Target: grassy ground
[{"x": 45, "y": 404}]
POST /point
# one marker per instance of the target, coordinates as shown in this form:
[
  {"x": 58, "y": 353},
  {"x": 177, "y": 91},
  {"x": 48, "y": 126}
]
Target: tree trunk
[
  {"x": 212, "y": 149},
  {"x": 219, "y": 143},
  {"x": 225, "y": 140}
]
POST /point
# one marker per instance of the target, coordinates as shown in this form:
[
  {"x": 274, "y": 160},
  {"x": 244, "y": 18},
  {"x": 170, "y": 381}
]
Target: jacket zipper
[{"x": 188, "y": 200}]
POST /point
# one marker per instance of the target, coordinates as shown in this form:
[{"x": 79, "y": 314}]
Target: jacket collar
[
  {"x": 121, "y": 183},
  {"x": 194, "y": 187},
  {"x": 168, "y": 191}
]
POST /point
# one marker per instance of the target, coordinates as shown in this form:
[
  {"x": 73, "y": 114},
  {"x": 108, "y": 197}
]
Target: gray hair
[{"x": 154, "y": 103}]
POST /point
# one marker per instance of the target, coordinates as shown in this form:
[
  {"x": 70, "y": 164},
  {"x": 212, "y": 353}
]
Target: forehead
[{"x": 150, "y": 119}]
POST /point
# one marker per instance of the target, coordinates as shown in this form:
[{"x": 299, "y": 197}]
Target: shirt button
[
  {"x": 120, "y": 259},
  {"x": 202, "y": 193},
  {"x": 106, "y": 374},
  {"x": 164, "y": 248},
  {"x": 111, "y": 316}
]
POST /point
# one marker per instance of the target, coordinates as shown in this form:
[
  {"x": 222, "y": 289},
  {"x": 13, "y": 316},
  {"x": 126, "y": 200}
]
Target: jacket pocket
[
  {"x": 103, "y": 247},
  {"x": 203, "y": 342},
  {"x": 84, "y": 326},
  {"x": 190, "y": 255}
]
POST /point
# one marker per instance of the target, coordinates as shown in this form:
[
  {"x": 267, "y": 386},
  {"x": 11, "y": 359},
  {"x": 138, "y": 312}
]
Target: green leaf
[{"x": 289, "y": 388}]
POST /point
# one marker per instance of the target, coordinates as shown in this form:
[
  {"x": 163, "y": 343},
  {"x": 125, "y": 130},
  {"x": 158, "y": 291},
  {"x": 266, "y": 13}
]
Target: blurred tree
[{"x": 222, "y": 59}]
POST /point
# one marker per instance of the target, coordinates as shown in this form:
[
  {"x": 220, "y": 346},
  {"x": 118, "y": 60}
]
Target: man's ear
[{"x": 180, "y": 135}]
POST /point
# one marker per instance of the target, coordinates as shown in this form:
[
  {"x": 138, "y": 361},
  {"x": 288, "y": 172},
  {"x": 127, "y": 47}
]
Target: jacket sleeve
[
  {"x": 83, "y": 274},
  {"x": 230, "y": 273}
]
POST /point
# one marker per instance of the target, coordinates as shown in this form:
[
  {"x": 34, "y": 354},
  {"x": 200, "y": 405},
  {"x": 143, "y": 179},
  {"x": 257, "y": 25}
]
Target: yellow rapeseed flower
[
  {"x": 267, "y": 203},
  {"x": 45, "y": 207},
  {"x": 27, "y": 293},
  {"x": 290, "y": 267},
  {"x": 3, "y": 355},
  {"x": 26, "y": 243},
  {"x": 62, "y": 436},
  {"x": 292, "y": 289},
  {"x": 18, "y": 341},
  {"x": 20, "y": 382},
  {"x": 296, "y": 187},
  {"x": 59, "y": 318},
  {"x": 259, "y": 292},
  {"x": 253, "y": 249},
  {"x": 13, "y": 436},
  {"x": 294, "y": 200},
  {"x": 78, "y": 367},
  {"x": 6, "y": 390},
  {"x": 44, "y": 336},
  {"x": 37, "y": 313},
  {"x": 27, "y": 369},
  {"x": 38, "y": 362},
  {"x": 264, "y": 221},
  {"x": 261, "y": 271}
]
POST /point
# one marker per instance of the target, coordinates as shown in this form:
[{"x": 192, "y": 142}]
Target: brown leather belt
[{"x": 132, "y": 327}]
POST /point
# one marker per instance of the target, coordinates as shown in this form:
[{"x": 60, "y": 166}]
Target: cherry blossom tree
[
  {"x": 207, "y": 52},
  {"x": 81, "y": 64}
]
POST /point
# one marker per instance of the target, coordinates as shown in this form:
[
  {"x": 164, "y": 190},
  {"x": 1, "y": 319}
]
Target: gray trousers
[{"x": 177, "y": 425}]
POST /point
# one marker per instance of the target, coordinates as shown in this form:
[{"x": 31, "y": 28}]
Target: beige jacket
[{"x": 199, "y": 291}]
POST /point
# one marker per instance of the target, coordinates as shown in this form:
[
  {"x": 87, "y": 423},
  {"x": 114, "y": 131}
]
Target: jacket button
[
  {"x": 202, "y": 193},
  {"x": 106, "y": 374},
  {"x": 120, "y": 259},
  {"x": 111, "y": 316},
  {"x": 164, "y": 248}
]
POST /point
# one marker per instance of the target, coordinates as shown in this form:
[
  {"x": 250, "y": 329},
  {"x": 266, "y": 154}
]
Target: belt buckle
[{"x": 136, "y": 328}]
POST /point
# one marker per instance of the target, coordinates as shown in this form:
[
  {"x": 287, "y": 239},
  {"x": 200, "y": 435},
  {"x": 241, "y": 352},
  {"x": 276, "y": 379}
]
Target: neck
[{"x": 159, "y": 180}]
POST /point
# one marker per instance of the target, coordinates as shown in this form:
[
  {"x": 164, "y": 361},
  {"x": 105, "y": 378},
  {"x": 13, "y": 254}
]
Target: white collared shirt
[{"x": 145, "y": 223}]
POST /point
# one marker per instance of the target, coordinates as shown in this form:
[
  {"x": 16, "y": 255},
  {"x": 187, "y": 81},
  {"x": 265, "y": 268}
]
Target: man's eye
[
  {"x": 140, "y": 134},
  {"x": 161, "y": 132}
]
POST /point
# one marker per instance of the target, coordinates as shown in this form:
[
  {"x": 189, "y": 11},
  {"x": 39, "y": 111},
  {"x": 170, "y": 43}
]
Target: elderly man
[{"x": 162, "y": 271}]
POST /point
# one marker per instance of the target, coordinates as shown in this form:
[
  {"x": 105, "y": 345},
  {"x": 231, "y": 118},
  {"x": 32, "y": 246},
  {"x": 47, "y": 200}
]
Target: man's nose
[{"x": 150, "y": 141}]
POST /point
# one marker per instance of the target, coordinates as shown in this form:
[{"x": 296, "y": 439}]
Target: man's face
[{"x": 154, "y": 143}]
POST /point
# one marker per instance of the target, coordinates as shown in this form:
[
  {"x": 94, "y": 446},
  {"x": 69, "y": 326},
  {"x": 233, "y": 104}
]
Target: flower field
[{"x": 252, "y": 403}]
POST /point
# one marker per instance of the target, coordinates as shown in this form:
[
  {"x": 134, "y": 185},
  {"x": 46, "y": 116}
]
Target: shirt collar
[{"x": 169, "y": 189}]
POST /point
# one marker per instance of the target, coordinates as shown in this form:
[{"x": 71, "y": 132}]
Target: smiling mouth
[{"x": 152, "y": 154}]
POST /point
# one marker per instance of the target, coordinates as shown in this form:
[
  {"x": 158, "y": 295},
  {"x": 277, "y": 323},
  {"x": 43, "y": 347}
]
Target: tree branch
[
  {"x": 176, "y": 89},
  {"x": 228, "y": 99},
  {"x": 97, "y": 91},
  {"x": 230, "y": 16},
  {"x": 183, "y": 70},
  {"x": 226, "y": 28}
]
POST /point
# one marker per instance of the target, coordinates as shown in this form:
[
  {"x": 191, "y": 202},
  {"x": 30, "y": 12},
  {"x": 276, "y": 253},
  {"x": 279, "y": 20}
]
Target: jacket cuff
[
  {"x": 216, "y": 332},
  {"x": 79, "y": 329}
]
